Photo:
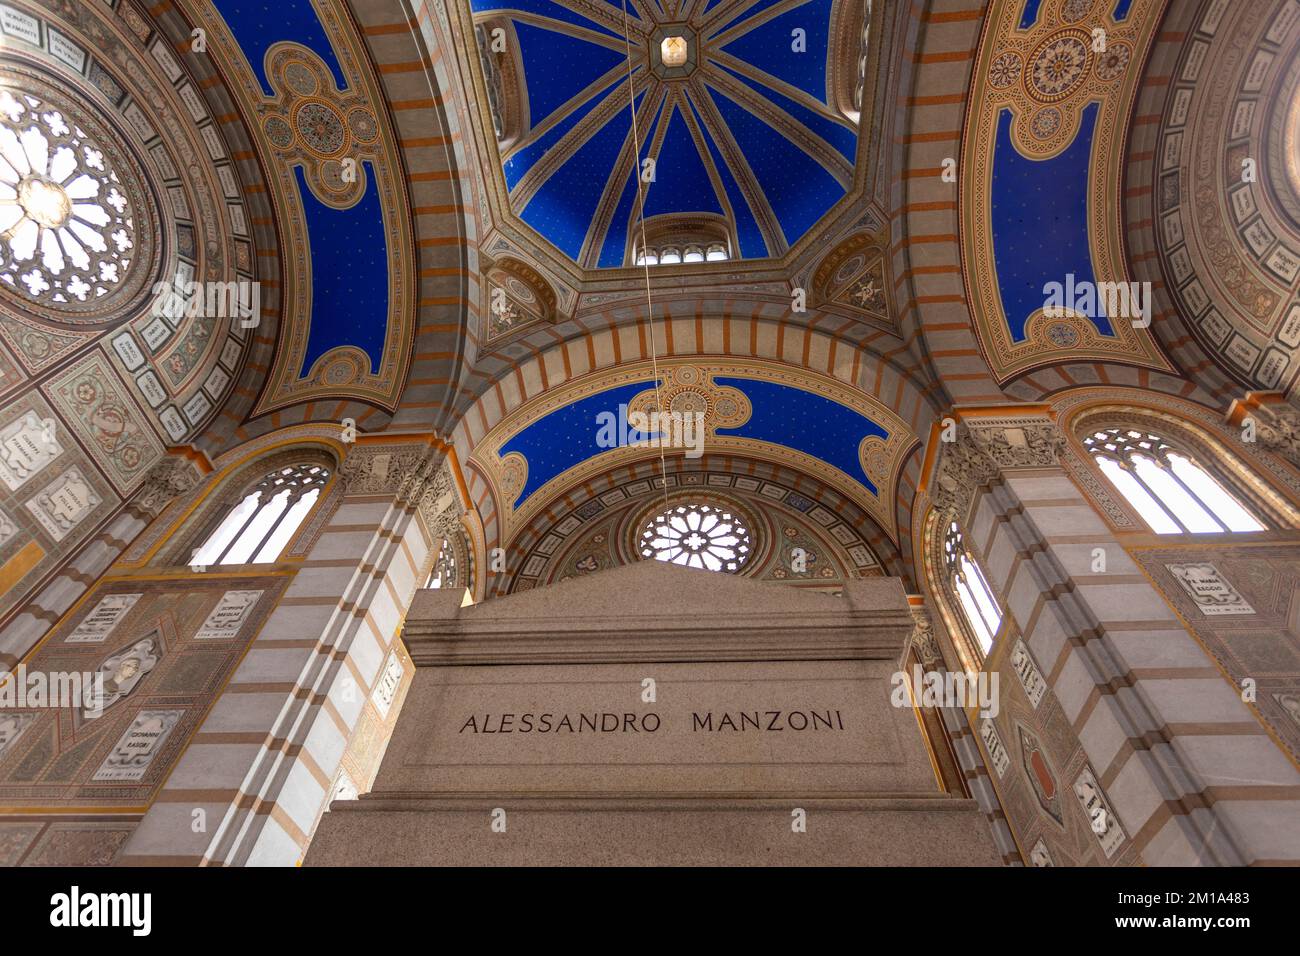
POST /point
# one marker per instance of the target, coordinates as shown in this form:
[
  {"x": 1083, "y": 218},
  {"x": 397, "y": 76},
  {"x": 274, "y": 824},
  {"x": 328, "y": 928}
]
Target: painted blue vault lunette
[
  {"x": 782, "y": 416},
  {"x": 1039, "y": 219},
  {"x": 348, "y": 247}
]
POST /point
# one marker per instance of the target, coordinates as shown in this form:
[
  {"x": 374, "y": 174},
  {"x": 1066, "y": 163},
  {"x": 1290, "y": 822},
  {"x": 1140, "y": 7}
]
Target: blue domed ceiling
[{"x": 747, "y": 136}]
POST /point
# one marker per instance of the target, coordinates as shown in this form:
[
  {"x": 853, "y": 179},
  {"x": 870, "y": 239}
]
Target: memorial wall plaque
[
  {"x": 96, "y": 626},
  {"x": 227, "y": 616},
  {"x": 12, "y": 726},
  {"x": 61, "y": 505},
  {"x": 27, "y": 445},
  {"x": 1213, "y": 594},
  {"x": 390, "y": 679},
  {"x": 138, "y": 745}
]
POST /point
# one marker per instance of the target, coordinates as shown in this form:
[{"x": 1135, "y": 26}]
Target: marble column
[
  {"x": 318, "y": 690},
  {"x": 1179, "y": 770}
]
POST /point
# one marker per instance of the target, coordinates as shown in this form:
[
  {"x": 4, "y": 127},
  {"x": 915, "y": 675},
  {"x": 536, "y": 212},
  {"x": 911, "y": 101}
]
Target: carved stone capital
[
  {"x": 1019, "y": 443},
  {"x": 167, "y": 480},
  {"x": 399, "y": 470},
  {"x": 416, "y": 476},
  {"x": 924, "y": 641},
  {"x": 439, "y": 504},
  {"x": 1278, "y": 429},
  {"x": 962, "y": 468},
  {"x": 983, "y": 448}
]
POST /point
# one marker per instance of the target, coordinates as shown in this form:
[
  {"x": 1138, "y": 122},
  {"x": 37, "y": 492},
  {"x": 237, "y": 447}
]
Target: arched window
[
  {"x": 443, "y": 574},
  {"x": 978, "y": 602},
  {"x": 1172, "y": 493},
  {"x": 697, "y": 536},
  {"x": 673, "y": 255},
  {"x": 257, "y": 529},
  {"x": 673, "y": 240}
]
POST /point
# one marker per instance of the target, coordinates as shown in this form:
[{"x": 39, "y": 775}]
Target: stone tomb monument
[{"x": 657, "y": 715}]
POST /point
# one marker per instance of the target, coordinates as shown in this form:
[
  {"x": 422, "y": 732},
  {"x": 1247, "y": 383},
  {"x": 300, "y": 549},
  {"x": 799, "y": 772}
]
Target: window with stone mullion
[
  {"x": 265, "y": 518},
  {"x": 978, "y": 603},
  {"x": 1171, "y": 491}
]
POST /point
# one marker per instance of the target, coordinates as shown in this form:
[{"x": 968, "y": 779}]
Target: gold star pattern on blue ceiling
[{"x": 746, "y": 134}]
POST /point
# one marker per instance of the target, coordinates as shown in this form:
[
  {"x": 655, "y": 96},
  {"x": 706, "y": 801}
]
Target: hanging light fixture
[{"x": 673, "y": 50}]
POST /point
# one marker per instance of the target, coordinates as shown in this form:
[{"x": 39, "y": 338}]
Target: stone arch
[
  {"x": 877, "y": 380},
  {"x": 570, "y": 515},
  {"x": 933, "y": 314},
  {"x": 1269, "y": 486}
]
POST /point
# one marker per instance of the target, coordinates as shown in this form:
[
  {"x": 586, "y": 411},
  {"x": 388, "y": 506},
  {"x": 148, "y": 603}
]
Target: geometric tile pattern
[{"x": 60, "y": 759}]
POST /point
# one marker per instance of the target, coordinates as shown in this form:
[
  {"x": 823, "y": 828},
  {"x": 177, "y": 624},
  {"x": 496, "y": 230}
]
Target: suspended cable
[{"x": 645, "y": 259}]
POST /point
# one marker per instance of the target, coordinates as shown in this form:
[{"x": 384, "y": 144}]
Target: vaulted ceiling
[
  {"x": 750, "y": 132},
  {"x": 441, "y": 204}
]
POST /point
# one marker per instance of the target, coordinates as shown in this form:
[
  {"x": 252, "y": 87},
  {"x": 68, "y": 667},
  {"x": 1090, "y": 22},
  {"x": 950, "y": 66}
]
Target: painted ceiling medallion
[
  {"x": 738, "y": 120},
  {"x": 1059, "y": 65}
]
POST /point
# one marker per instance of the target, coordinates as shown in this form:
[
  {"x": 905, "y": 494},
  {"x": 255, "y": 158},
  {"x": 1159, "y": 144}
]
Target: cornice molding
[{"x": 985, "y": 443}]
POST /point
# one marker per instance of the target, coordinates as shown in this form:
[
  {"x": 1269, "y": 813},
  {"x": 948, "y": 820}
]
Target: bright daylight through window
[
  {"x": 259, "y": 527},
  {"x": 697, "y": 536},
  {"x": 1172, "y": 493}
]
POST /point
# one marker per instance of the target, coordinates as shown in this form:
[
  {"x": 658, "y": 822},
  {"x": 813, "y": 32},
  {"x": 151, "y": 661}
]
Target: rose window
[
  {"x": 697, "y": 536},
  {"x": 66, "y": 228}
]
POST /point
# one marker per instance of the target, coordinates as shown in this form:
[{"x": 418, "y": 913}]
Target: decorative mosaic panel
[
  {"x": 51, "y": 494},
  {"x": 1243, "y": 605},
  {"x": 160, "y": 678},
  {"x": 106, "y": 418},
  {"x": 1044, "y": 760}
]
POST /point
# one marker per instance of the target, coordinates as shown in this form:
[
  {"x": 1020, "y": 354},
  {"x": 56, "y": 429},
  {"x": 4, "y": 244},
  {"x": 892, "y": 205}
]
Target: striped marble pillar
[
  {"x": 318, "y": 690},
  {"x": 1173, "y": 751},
  {"x": 956, "y": 728}
]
